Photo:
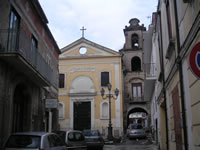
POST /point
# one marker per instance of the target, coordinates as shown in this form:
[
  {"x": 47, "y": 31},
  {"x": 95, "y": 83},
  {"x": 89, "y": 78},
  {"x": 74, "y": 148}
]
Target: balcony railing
[
  {"x": 14, "y": 42},
  {"x": 150, "y": 70},
  {"x": 137, "y": 100}
]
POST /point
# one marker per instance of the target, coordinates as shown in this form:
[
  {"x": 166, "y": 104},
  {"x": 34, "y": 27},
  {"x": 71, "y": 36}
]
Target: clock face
[{"x": 83, "y": 50}]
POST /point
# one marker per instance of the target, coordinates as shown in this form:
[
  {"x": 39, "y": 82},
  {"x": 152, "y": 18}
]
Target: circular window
[{"x": 82, "y": 50}]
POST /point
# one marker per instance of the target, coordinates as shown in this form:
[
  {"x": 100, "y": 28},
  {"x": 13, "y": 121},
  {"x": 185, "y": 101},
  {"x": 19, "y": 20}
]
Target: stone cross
[{"x": 83, "y": 29}]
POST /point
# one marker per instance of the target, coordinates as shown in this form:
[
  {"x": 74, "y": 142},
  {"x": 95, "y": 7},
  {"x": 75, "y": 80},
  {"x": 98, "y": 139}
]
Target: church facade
[{"x": 85, "y": 68}]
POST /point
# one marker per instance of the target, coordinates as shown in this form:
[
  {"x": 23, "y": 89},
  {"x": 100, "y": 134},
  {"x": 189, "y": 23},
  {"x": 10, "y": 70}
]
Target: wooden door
[
  {"x": 177, "y": 118},
  {"x": 82, "y": 115}
]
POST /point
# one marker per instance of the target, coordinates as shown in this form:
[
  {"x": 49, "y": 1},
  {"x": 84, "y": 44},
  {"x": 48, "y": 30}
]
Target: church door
[{"x": 82, "y": 115}]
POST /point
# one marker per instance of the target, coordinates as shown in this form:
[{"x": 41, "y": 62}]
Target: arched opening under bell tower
[{"x": 138, "y": 116}]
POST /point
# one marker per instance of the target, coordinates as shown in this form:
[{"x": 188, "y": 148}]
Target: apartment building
[{"x": 28, "y": 68}]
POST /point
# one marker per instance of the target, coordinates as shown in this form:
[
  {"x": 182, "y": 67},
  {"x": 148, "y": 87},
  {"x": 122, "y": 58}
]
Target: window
[
  {"x": 136, "y": 64},
  {"x": 13, "y": 30},
  {"x": 34, "y": 43},
  {"x": 61, "y": 80},
  {"x": 134, "y": 41},
  {"x": 104, "y": 78},
  {"x": 104, "y": 110},
  {"x": 48, "y": 59},
  {"x": 169, "y": 20},
  {"x": 34, "y": 46},
  {"x": 137, "y": 90}
]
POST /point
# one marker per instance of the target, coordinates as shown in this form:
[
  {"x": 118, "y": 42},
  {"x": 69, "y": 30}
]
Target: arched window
[
  {"x": 104, "y": 110},
  {"x": 136, "y": 64},
  {"x": 134, "y": 41},
  {"x": 61, "y": 110}
]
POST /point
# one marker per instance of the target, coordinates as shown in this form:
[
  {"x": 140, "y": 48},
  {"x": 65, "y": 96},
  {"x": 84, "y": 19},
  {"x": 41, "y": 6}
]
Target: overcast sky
[{"x": 104, "y": 20}]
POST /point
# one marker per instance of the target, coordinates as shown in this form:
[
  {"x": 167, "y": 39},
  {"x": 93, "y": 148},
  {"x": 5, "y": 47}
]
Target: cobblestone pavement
[
  {"x": 136, "y": 144},
  {"x": 130, "y": 147}
]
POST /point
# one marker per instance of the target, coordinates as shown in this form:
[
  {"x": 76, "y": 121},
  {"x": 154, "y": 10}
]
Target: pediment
[{"x": 92, "y": 50}]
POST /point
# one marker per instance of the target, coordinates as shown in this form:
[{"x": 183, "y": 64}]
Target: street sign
[
  {"x": 194, "y": 60},
  {"x": 51, "y": 103}
]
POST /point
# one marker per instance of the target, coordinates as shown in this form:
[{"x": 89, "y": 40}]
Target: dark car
[
  {"x": 73, "y": 139},
  {"x": 93, "y": 139},
  {"x": 136, "y": 131},
  {"x": 34, "y": 141}
]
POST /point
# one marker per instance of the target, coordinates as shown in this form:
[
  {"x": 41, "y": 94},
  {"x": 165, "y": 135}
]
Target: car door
[{"x": 55, "y": 143}]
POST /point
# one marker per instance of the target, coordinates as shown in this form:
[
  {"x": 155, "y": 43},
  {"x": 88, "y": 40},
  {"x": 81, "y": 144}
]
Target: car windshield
[
  {"x": 75, "y": 136},
  {"x": 136, "y": 126},
  {"x": 91, "y": 133},
  {"x": 23, "y": 141}
]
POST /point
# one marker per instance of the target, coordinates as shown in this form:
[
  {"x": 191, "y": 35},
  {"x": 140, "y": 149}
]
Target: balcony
[
  {"x": 150, "y": 70},
  {"x": 15, "y": 49},
  {"x": 139, "y": 100}
]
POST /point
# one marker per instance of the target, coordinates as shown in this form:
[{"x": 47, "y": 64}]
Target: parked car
[
  {"x": 73, "y": 139},
  {"x": 34, "y": 141},
  {"x": 93, "y": 139},
  {"x": 136, "y": 131}
]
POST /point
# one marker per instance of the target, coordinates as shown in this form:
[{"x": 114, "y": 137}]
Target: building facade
[
  {"x": 138, "y": 79},
  {"x": 176, "y": 98},
  {"x": 28, "y": 68},
  {"x": 85, "y": 68}
]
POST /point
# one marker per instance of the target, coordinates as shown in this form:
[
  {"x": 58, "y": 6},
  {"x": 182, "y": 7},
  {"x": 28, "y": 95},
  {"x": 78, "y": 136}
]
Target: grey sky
[{"x": 103, "y": 19}]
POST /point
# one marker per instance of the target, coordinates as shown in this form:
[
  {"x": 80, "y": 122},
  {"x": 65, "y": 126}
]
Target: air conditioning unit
[{"x": 187, "y": 1}]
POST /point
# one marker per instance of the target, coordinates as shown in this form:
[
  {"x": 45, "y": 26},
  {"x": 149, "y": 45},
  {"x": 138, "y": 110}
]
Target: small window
[
  {"x": 13, "y": 30},
  {"x": 169, "y": 20},
  {"x": 104, "y": 110},
  {"x": 61, "y": 80},
  {"x": 48, "y": 59},
  {"x": 104, "y": 78},
  {"x": 137, "y": 90},
  {"x": 83, "y": 50},
  {"x": 34, "y": 46},
  {"x": 136, "y": 64}
]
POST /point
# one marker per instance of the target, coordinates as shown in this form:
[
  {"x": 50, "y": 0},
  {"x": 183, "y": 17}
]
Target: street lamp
[{"x": 109, "y": 96}]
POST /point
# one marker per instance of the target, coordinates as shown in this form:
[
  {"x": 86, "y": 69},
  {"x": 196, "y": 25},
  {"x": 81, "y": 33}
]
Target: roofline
[
  {"x": 44, "y": 19},
  {"x": 82, "y": 38}
]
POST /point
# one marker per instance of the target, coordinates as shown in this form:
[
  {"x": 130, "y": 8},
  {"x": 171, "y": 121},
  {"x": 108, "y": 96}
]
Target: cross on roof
[{"x": 83, "y": 31}]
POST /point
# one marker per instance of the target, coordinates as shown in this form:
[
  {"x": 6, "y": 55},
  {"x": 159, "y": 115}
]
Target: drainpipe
[
  {"x": 163, "y": 80},
  {"x": 179, "y": 62}
]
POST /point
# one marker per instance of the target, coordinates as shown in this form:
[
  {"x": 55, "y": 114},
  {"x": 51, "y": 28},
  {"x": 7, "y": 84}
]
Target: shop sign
[{"x": 51, "y": 103}]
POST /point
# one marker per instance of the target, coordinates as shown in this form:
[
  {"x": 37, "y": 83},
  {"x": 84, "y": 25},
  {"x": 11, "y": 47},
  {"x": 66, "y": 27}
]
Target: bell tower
[{"x": 136, "y": 108}]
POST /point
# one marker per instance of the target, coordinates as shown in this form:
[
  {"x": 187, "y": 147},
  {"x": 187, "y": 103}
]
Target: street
[{"x": 134, "y": 144}]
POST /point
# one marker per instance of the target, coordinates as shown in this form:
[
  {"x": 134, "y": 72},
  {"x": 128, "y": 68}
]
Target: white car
[
  {"x": 34, "y": 141},
  {"x": 135, "y": 131},
  {"x": 73, "y": 139}
]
